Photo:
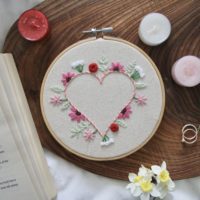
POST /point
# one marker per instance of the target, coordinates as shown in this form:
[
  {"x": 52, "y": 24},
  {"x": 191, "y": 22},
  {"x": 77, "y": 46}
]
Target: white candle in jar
[
  {"x": 154, "y": 29},
  {"x": 186, "y": 71}
]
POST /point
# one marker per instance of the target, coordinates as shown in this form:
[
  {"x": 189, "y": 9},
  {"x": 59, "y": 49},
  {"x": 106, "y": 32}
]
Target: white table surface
[{"x": 74, "y": 183}]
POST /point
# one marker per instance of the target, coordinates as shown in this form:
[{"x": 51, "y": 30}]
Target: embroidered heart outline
[{"x": 101, "y": 80}]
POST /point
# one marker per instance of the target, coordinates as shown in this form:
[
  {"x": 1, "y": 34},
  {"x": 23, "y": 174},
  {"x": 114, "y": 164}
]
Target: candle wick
[
  {"x": 34, "y": 23},
  {"x": 153, "y": 30}
]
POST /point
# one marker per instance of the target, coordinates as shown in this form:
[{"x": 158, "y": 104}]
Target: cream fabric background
[
  {"x": 72, "y": 182},
  {"x": 143, "y": 119}
]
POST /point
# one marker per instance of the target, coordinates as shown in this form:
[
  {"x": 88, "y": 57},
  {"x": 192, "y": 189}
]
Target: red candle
[{"x": 33, "y": 25}]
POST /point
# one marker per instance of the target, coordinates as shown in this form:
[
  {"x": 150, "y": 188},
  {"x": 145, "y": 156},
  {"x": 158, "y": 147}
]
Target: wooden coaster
[{"x": 67, "y": 20}]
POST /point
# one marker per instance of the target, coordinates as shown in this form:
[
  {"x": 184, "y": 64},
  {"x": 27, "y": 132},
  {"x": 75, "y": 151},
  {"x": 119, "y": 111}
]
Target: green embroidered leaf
[
  {"x": 105, "y": 138},
  {"x": 130, "y": 68},
  {"x": 135, "y": 75},
  {"x": 65, "y": 105},
  {"x": 103, "y": 64},
  {"x": 121, "y": 123},
  {"x": 75, "y": 130},
  {"x": 57, "y": 89},
  {"x": 103, "y": 68},
  {"x": 79, "y": 68},
  {"x": 79, "y": 129},
  {"x": 140, "y": 85},
  {"x": 103, "y": 61}
]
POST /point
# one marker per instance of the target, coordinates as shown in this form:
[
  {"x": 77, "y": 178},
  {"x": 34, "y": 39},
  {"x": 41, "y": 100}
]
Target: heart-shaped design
[{"x": 100, "y": 100}]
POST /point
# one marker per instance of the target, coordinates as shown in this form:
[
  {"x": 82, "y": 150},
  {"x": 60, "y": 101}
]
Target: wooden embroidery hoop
[{"x": 76, "y": 152}]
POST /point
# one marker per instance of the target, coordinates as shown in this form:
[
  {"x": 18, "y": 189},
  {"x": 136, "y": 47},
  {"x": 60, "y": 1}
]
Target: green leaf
[
  {"x": 103, "y": 61},
  {"x": 103, "y": 64},
  {"x": 65, "y": 105},
  {"x": 140, "y": 85},
  {"x": 57, "y": 89},
  {"x": 130, "y": 68},
  {"x": 121, "y": 123},
  {"x": 79, "y": 68},
  {"x": 135, "y": 75}
]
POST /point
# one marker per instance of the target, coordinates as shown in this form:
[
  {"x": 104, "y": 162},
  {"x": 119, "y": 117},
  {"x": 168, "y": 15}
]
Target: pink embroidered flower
[
  {"x": 76, "y": 115},
  {"x": 125, "y": 113},
  {"x": 117, "y": 67},
  {"x": 141, "y": 100},
  {"x": 55, "y": 100},
  {"x": 89, "y": 135},
  {"x": 66, "y": 78}
]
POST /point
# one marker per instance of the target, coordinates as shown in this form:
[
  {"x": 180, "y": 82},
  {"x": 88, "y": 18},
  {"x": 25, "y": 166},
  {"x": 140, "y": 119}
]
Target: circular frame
[{"x": 122, "y": 155}]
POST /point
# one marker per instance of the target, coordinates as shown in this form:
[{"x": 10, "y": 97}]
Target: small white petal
[
  {"x": 131, "y": 187},
  {"x": 156, "y": 169},
  {"x": 108, "y": 142},
  {"x": 76, "y": 63},
  {"x": 137, "y": 192},
  {"x": 155, "y": 192},
  {"x": 131, "y": 177},
  {"x": 142, "y": 171},
  {"x": 163, "y": 194},
  {"x": 171, "y": 185},
  {"x": 140, "y": 70},
  {"x": 164, "y": 165},
  {"x": 145, "y": 196}
]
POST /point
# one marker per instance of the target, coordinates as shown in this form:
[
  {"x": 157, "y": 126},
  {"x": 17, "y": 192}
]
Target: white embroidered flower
[
  {"x": 165, "y": 183},
  {"x": 77, "y": 63},
  {"x": 140, "y": 71},
  {"x": 107, "y": 142}
]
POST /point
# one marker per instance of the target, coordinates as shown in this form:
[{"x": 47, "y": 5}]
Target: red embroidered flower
[
  {"x": 125, "y": 113},
  {"x": 66, "y": 78},
  {"x": 93, "y": 67},
  {"x": 76, "y": 115},
  {"x": 114, "y": 127},
  {"x": 117, "y": 67}
]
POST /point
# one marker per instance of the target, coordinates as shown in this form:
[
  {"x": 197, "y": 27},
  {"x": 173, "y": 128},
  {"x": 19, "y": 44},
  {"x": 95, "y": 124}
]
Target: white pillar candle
[
  {"x": 154, "y": 29},
  {"x": 186, "y": 71}
]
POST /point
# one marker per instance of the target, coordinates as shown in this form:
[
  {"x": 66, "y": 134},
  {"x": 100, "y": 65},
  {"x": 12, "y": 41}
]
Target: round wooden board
[{"x": 67, "y": 20}]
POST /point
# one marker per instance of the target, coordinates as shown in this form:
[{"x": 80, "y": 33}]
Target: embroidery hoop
[{"x": 79, "y": 153}]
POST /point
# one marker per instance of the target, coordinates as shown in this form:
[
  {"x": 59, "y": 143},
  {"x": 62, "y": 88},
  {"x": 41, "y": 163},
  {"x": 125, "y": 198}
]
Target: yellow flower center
[
  {"x": 146, "y": 186},
  {"x": 137, "y": 179},
  {"x": 164, "y": 176}
]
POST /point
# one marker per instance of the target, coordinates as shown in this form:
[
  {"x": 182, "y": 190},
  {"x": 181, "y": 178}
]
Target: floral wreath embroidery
[{"x": 83, "y": 126}]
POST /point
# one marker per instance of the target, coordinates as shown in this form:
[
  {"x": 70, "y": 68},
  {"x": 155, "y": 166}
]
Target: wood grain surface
[{"x": 67, "y": 20}]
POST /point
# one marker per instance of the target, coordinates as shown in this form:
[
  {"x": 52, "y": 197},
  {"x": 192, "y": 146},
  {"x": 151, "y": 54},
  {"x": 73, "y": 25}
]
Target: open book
[{"x": 24, "y": 173}]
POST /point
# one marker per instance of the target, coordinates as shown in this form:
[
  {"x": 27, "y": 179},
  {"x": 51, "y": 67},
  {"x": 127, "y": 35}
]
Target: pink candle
[{"x": 186, "y": 71}]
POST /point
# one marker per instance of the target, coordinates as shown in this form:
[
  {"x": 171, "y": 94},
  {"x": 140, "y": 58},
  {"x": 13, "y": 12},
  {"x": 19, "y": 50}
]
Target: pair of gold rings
[{"x": 190, "y": 133}]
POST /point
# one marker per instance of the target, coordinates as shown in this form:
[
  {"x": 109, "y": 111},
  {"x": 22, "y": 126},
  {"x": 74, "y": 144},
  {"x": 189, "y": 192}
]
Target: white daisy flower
[
  {"x": 165, "y": 183},
  {"x": 141, "y": 185}
]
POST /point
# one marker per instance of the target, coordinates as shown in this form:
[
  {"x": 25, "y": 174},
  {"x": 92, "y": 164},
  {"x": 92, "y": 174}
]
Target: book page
[
  {"x": 22, "y": 115},
  {"x": 15, "y": 182}
]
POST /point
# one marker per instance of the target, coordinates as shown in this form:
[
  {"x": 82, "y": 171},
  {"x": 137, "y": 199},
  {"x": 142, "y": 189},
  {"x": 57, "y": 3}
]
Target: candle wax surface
[
  {"x": 186, "y": 71},
  {"x": 33, "y": 25},
  {"x": 154, "y": 29}
]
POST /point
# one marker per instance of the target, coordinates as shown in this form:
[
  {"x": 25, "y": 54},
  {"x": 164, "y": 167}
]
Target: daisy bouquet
[{"x": 151, "y": 183}]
